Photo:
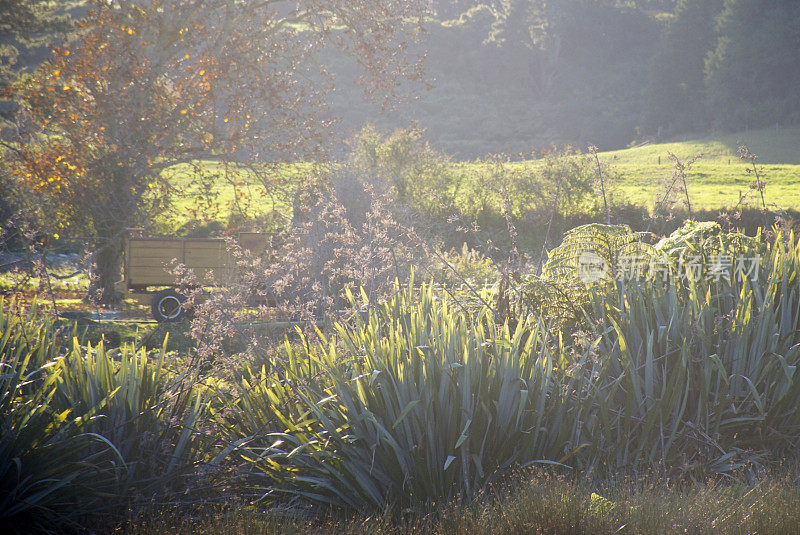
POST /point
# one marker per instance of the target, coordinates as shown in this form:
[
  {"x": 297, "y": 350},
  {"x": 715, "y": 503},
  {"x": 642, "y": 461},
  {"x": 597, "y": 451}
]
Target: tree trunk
[{"x": 106, "y": 269}]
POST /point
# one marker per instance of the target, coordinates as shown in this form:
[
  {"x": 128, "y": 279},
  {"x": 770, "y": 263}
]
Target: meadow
[
  {"x": 718, "y": 177},
  {"x": 716, "y": 180}
]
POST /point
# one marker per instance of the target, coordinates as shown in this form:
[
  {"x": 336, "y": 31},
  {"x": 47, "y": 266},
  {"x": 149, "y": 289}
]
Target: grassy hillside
[{"x": 717, "y": 178}]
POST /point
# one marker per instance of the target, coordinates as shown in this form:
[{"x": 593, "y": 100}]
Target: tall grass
[{"x": 540, "y": 504}]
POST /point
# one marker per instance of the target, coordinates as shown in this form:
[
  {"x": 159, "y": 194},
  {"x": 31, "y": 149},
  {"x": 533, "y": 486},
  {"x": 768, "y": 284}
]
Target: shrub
[
  {"x": 699, "y": 373},
  {"x": 50, "y": 471},
  {"x": 413, "y": 402},
  {"x": 87, "y": 431},
  {"x": 147, "y": 412},
  {"x": 405, "y": 407}
]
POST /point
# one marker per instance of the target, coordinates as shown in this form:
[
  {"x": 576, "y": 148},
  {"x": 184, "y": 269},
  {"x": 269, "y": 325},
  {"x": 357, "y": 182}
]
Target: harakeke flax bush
[
  {"x": 699, "y": 373},
  {"x": 50, "y": 471},
  {"x": 149, "y": 413},
  {"x": 409, "y": 404},
  {"x": 85, "y": 431},
  {"x": 413, "y": 402}
]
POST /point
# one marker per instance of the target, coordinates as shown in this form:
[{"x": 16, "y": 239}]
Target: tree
[
  {"x": 26, "y": 25},
  {"x": 754, "y": 71},
  {"x": 155, "y": 83},
  {"x": 513, "y": 25},
  {"x": 675, "y": 94},
  {"x": 534, "y": 29},
  {"x": 545, "y": 31},
  {"x": 453, "y": 9}
]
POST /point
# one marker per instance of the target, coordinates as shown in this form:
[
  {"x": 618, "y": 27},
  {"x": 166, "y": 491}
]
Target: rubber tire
[{"x": 163, "y": 306}]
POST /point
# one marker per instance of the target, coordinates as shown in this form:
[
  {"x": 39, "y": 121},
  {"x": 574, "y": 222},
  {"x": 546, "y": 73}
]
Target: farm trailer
[{"x": 146, "y": 275}]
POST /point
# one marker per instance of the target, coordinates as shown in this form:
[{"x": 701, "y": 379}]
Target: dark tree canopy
[
  {"x": 753, "y": 73},
  {"x": 25, "y": 27},
  {"x": 676, "y": 92}
]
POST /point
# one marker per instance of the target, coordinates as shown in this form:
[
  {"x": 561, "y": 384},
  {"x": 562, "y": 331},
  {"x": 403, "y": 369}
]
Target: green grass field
[
  {"x": 716, "y": 180},
  {"x": 214, "y": 192},
  {"x": 719, "y": 176}
]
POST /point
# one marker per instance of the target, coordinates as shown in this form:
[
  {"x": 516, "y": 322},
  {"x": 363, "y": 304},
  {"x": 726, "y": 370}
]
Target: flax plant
[
  {"x": 48, "y": 466},
  {"x": 699, "y": 372},
  {"x": 408, "y": 404}
]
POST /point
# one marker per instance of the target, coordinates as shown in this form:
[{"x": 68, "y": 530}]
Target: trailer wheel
[{"x": 167, "y": 306}]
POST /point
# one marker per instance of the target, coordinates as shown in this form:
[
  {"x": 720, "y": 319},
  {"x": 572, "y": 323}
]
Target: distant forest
[{"x": 517, "y": 75}]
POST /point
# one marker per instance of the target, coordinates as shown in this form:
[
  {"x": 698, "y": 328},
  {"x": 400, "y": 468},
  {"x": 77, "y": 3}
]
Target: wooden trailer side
[{"x": 148, "y": 259}]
